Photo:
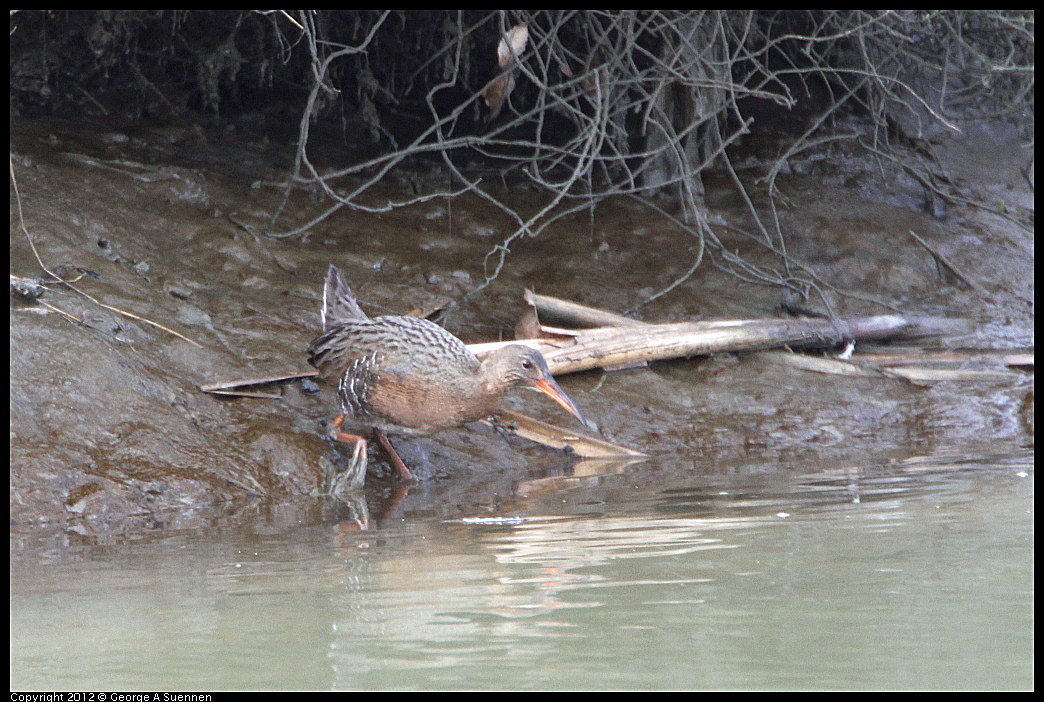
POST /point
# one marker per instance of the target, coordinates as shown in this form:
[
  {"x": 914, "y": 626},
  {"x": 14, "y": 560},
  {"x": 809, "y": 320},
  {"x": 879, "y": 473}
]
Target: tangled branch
[
  {"x": 586, "y": 105},
  {"x": 595, "y": 104}
]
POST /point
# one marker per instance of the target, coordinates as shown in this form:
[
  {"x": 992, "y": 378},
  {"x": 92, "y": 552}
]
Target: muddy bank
[{"x": 110, "y": 434}]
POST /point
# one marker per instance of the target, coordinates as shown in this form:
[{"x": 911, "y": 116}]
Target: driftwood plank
[
  {"x": 859, "y": 367},
  {"x": 556, "y": 437},
  {"x": 961, "y": 357},
  {"x": 575, "y": 314},
  {"x": 615, "y": 346},
  {"x": 232, "y": 387}
]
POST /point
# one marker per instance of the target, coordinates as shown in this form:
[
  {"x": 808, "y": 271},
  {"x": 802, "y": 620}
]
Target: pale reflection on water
[{"x": 914, "y": 573}]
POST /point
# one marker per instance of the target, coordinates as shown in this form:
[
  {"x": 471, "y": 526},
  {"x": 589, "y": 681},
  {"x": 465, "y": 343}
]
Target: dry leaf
[
  {"x": 497, "y": 92},
  {"x": 512, "y": 44}
]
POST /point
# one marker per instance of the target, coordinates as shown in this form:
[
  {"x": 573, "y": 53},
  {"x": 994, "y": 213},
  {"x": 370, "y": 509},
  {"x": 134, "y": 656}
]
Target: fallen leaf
[
  {"x": 512, "y": 44},
  {"x": 496, "y": 93}
]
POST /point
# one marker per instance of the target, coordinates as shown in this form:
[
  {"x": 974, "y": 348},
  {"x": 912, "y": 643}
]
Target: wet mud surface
[{"x": 110, "y": 434}]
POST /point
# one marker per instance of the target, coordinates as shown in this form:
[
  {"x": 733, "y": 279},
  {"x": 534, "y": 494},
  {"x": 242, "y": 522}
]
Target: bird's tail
[{"x": 339, "y": 304}]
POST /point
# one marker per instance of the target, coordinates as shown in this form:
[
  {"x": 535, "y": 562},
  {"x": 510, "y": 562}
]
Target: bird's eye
[{"x": 527, "y": 364}]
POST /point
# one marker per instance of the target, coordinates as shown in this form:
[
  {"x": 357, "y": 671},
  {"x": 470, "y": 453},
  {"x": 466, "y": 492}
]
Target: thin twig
[
  {"x": 57, "y": 278},
  {"x": 948, "y": 264},
  {"x": 652, "y": 99}
]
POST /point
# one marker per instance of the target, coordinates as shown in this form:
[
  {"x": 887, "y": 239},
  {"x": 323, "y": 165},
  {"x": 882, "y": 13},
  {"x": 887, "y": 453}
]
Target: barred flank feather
[{"x": 353, "y": 391}]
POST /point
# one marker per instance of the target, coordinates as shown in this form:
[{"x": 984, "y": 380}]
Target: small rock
[{"x": 177, "y": 291}]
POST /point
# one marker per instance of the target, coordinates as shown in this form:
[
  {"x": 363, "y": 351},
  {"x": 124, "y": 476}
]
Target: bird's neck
[{"x": 490, "y": 387}]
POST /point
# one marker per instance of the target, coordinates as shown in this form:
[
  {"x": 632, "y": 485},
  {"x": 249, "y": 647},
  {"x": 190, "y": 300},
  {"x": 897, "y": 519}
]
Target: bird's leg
[
  {"x": 355, "y": 476},
  {"x": 400, "y": 467}
]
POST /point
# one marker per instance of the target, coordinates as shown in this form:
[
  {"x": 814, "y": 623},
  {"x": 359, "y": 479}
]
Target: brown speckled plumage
[{"x": 407, "y": 375}]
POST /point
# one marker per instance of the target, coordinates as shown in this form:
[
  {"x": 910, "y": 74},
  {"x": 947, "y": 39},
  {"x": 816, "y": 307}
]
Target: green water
[{"x": 899, "y": 574}]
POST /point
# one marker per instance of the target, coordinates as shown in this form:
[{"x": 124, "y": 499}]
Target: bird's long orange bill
[{"x": 549, "y": 387}]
